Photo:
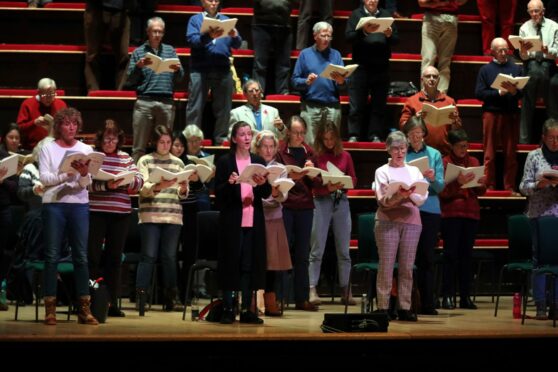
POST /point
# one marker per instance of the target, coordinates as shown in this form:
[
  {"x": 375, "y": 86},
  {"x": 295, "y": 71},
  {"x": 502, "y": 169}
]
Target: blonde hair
[{"x": 260, "y": 136}]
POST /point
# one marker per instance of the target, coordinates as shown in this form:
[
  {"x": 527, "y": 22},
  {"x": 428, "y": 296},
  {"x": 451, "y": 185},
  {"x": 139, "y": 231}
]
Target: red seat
[
  {"x": 112, "y": 93},
  {"x": 460, "y": 17},
  {"x": 26, "y": 92},
  {"x": 484, "y": 243},
  {"x": 178, "y": 8},
  {"x": 63, "y": 5},
  {"x": 465, "y": 58},
  {"x": 42, "y": 48},
  {"x": 243, "y": 53},
  {"x": 405, "y": 57},
  {"x": 13, "y": 4},
  {"x": 180, "y": 95},
  {"x": 365, "y": 145},
  {"x": 527, "y": 147},
  {"x": 183, "y": 51},
  {"x": 361, "y": 192},
  {"x": 469, "y": 102},
  {"x": 397, "y": 99},
  {"x": 497, "y": 193},
  {"x": 238, "y": 11},
  {"x": 283, "y": 97}
]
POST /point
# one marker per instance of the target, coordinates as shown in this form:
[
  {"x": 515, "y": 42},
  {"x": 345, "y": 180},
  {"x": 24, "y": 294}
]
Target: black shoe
[
  {"x": 428, "y": 311},
  {"x": 115, "y": 312},
  {"x": 407, "y": 316},
  {"x": 227, "y": 317},
  {"x": 384, "y": 311},
  {"x": 466, "y": 303},
  {"x": 447, "y": 303},
  {"x": 250, "y": 318}
]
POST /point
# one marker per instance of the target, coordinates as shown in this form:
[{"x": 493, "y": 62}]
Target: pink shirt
[{"x": 245, "y": 192}]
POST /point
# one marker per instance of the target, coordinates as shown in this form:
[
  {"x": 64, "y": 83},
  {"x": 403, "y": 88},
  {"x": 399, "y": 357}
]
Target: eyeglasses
[
  {"x": 325, "y": 37},
  {"x": 398, "y": 149},
  {"x": 302, "y": 134},
  {"x": 107, "y": 141},
  {"x": 254, "y": 90},
  {"x": 193, "y": 140},
  {"x": 431, "y": 76},
  {"x": 47, "y": 95}
]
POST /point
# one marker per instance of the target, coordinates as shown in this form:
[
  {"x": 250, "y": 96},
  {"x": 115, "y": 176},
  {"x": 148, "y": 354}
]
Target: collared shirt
[
  {"x": 258, "y": 118},
  {"x": 549, "y": 35}
]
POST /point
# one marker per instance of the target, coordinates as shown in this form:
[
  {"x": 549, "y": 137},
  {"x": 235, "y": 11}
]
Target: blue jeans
[
  {"x": 298, "y": 224},
  {"x": 539, "y": 280},
  {"x": 325, "y": 212},
  {"x": 63, "y": 220},
  {"x": 158, "y": 238}
]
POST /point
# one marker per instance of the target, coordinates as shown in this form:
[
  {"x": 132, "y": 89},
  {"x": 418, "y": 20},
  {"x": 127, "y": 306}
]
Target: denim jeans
[
  {"x": 158, "y": 238},
  {"x": 61, "y": 220},
  {"x": 326, "y": 212}
]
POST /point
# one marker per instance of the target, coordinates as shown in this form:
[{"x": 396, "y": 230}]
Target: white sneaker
[{"x": 314, "y": 298}]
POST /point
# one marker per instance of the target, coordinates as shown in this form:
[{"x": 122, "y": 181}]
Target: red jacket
[
  {"x": 300, "y": 196},
  {"x": 458, "y": 202},
  {"x": 31, "y": 109},
  {"x": 437, "y": 136}
]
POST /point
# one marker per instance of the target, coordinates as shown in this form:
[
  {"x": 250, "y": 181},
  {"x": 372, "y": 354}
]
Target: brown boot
[
  {"x": 84, "y": 312},
  {"x": 347, "y": 297},
  {"x": 271, "y": 308},
  {"x": 50, "y": 310}
]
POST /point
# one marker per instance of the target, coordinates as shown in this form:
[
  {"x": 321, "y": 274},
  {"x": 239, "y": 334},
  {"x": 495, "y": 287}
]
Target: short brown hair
[
  {"x": 110, "y": 128},
  {"x": 68, "y": 113}
]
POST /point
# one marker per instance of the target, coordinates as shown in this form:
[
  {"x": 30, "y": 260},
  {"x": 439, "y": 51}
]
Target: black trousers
[{"x": 425, "y": 257}]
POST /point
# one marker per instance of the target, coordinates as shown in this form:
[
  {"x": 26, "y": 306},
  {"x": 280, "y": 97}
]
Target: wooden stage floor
[{"x": 296, "y": 333}]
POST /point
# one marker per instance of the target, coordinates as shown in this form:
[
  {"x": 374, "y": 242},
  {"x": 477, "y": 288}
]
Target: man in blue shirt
[
  {"x": 319, "y": 95},
  {"x": 210, "y": 68},
  {"x": 154, "y": 105}
]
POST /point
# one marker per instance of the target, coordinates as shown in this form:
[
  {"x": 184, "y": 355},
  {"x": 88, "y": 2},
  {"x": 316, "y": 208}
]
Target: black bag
[
  {"x": 100, "y": 299},
  {"x": 401, "y": 89},
  {"x": 213, "y": 312}
]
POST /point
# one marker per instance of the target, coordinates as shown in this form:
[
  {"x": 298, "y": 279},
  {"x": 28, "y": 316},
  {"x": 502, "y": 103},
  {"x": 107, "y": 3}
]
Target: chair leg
[
  {"x": 524, "y": 303},
  {"x": 349, "y": 287},
  {"x": 188, "y": 288},
  {"x": 498, "y": 292}
]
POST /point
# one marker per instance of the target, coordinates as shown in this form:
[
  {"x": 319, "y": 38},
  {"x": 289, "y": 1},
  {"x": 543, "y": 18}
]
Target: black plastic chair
[
  {"x": 520, "y": 254},
  {"x": 368, "y": 260},
  {"x": 206, "y": 249}
]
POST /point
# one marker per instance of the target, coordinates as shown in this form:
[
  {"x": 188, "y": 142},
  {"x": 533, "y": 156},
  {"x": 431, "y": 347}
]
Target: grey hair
[
  {"x": 46, "y": 83},
  {"x": 192, "y": 130},
  {"x": 250, "y": 82},
  {"x": 549, "y": 124},
  {"x": 321, "y": 26},
  {"x": 396, "y": 138},
  {"x": 152, "y": 20},
  {"x": 260, "y": 136}
]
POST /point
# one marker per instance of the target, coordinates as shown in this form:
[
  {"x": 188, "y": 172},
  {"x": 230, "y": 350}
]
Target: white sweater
[{"x": 61, "y": 187}]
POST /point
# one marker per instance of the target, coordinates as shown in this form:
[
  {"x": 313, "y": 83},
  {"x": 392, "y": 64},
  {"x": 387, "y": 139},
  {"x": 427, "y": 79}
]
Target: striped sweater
[
  {"x": 163, "y": 206},
  {"x": 102, "y": 199}
]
